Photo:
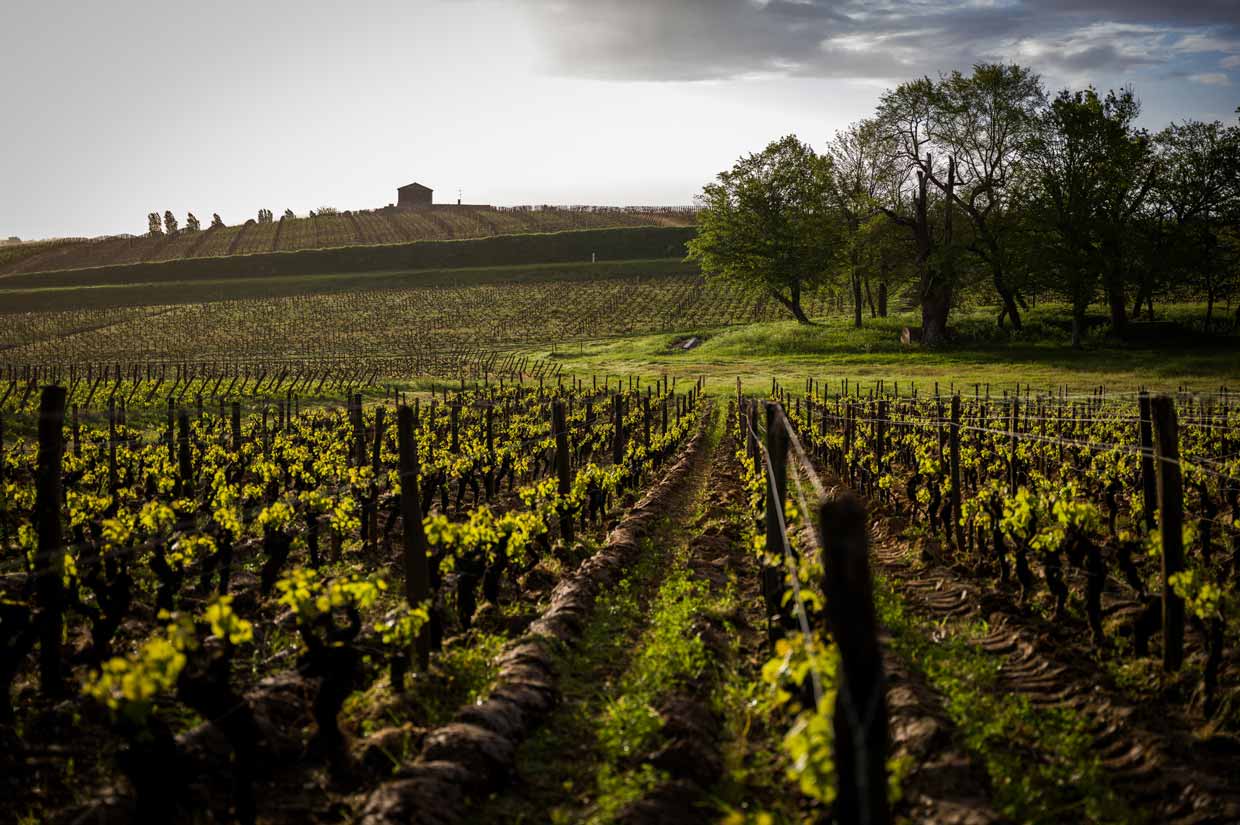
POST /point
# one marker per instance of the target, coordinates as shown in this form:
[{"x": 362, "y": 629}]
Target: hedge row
[{"x": 615, "y": 244}]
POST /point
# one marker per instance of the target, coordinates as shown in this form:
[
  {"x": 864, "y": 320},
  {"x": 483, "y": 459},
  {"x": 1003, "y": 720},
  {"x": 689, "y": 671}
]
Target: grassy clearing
[{"x": 832, "y": 350}]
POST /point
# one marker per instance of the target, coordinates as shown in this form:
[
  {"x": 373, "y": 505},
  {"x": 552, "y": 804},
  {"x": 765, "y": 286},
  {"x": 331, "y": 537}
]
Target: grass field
[{"x": 833, "y": 350}]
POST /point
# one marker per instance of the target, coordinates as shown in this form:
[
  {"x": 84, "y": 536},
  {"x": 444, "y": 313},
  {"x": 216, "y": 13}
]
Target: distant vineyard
[
  {"x": 383, "y": 226},
  {"x": 388, "y": 322}
]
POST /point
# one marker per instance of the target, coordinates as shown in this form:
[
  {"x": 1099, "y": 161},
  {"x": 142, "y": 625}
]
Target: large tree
[
  {"x": 979, "y": 128},
  {"x": 768, "y": 225},
  {"x": 987, "y": 122},
  {"x": 1196, "y": 193},
  {"x": 1094, "y": 171},
  {"x": 906, "y": 117},
  {"x": 861, "y": 167}
]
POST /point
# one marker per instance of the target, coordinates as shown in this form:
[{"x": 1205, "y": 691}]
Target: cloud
[
  {"x": 678, "y": 40},
  {"x": 1232, "y": 62},
  {"x": 1211, "y": 78}
]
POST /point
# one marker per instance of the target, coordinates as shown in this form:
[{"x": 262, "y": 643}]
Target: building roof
[{"x": 414, "y": 185}]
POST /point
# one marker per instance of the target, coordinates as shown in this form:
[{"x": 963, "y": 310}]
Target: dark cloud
[{"x": 715, "y": 39}]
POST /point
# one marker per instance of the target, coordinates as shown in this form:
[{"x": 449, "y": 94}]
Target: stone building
[{"x": 413, "y": 196}]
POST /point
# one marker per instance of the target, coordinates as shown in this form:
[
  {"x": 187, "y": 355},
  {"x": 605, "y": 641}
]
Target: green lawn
[{"x": 833, "y": 350}]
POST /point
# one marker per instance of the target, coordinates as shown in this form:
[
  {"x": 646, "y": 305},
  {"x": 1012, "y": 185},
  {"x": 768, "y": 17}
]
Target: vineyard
[
  {"x": 230, "y": 575},
  {"x": 229, "y": 597},
  {"x": 399, "y": 325},
  {"x": 347, "y": 229},
  {"x": 395, "y": 548},
  {"x": 551, "y": 544}
]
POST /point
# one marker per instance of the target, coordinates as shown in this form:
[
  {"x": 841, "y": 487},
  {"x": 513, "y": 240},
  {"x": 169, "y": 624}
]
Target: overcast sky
[{"x": 109, "y": 111}]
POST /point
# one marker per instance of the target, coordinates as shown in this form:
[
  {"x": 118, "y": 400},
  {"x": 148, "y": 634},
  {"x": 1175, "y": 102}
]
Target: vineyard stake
[
  {"x": 954, "y": 458},
  {"x": 559, "y": 427},
  {"x": 1149, "y": 484},
  {"x": 861, "y": 734},
  {"x": 50, "y": 561},
  {"x": 417, "y": 571},
  {"x": 1171, "y": 524},
  {"x": 776, "y": 492}
]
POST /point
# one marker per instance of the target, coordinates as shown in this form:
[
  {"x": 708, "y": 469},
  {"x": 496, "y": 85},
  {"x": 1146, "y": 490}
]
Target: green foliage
[
  {"x": 310, "y": 596},
  {"x": 767, "y": 223}
]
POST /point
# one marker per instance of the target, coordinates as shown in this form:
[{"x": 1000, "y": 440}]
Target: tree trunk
[
  {"x": 856, "y": 290},
  {"x": 1078, "y": 323},
  {"x": 792, "y": 304},
  {"x": 935, "y": 304},
  {"x": 1119, "y": 311},
  {"x": 1010, "y": 310},
  {"x": 869, "y": 299},
  {"x": 882, "y": 299},
  {"x": 1209, "y": 308}
]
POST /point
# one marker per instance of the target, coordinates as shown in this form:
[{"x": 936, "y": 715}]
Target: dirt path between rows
[
  {"x": 1155, "y": 767},
  {"x": 556, "y": 768}
]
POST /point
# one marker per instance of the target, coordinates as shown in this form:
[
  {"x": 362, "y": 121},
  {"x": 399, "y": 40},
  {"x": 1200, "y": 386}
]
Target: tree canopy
[{"x": 767, "y": 223}]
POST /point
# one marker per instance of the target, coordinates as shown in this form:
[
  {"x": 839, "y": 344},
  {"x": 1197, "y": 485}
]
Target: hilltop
[{"x": 330, "y": 231}]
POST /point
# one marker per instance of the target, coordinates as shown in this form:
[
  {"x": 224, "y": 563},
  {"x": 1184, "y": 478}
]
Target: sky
[{"x": 109, "y": 111}]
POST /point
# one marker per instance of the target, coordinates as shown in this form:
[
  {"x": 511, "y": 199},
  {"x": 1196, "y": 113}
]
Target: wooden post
[
  {"x": 77, "y": 434},
  {"x": 1012, "y": 419},
  {"x": 454, "y": 417},
  {"x": 490, "y": 430},
  {"x": 1149, "y": 484},
  {"x": 776, "y": 491},
  {"x": 378, "y": 445},
  {"x": 113, "y": 476},
  {"x": 954, "y": 464},
  {"x": 359, "y": 432},
  {"x": 417, "y": 570},
  {"x": 880, "y": 433},
  {"x": 1171, "y": 525},
  {"x": 185, "y": 468},
  {"x": 236, "y": 426},
  {"x": 559, "y": 428},
  {"x": 617, "y": 437},
  {"x": 646, "y": 422},
  {"x": 861, "y": 735},
  {"x": 50, "y": 558}
]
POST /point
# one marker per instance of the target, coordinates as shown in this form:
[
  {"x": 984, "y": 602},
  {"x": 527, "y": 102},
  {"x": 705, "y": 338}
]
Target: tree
[
  {"x": 327, "y": 210},
  {"x": 154, "y": 224},
  {"x": 216, "y": 221},
  {"x": 767, "y": 223},
  {"x": 288, "y": 214},
  {"x": 987, "y": 123},
  {"x": 170, "y": 222},
  {"x": 1094, "y": 171},
  {"x": 906, "y": 115},
  {"x": 860, "y": 167},
  {"x": 885, "y": 252},
  {"x": 191, "y": 223},
  {"x": 265, "y": 216},
  {"x": 1197, "y": 189}
]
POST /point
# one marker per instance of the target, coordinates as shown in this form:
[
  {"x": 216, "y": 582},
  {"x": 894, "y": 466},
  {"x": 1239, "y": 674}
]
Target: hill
[
  {"x": 581, "y": 246},
  {"x": 347, "y": 229}
]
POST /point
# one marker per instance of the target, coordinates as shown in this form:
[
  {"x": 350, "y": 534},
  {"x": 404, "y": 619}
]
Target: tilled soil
[
  {"x": 689, "y": 751},
  {"x": 1153, "y": 763}
]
